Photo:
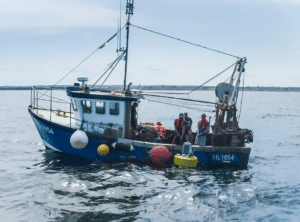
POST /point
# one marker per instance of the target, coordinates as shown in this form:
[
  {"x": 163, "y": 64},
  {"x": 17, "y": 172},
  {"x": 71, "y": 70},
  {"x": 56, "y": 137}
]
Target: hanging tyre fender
[{"x": 124, "y": 147}]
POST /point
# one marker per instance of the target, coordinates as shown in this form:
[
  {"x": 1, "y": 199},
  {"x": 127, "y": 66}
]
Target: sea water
[{"x": 43, "y": 185}]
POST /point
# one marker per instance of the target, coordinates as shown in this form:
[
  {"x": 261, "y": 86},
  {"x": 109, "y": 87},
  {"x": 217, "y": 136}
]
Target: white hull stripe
[{"x": 50, "y": 146}]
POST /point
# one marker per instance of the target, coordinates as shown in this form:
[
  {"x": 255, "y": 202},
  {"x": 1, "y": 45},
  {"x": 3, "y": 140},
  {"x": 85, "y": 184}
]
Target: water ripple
[{"x": 43, "y": 185}]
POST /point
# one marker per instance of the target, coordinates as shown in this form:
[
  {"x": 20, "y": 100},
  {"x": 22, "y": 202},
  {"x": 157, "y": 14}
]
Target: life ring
[{"x": 185, "y": 161}]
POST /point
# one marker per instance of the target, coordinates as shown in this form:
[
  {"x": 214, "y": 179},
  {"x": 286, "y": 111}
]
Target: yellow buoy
[
  {"x": 103, "y": 150},
  {"x": 185, "y": 161}
]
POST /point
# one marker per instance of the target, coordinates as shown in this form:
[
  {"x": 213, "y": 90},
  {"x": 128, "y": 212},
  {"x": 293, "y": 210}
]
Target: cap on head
[
  {"x": 181, "y": 115},
  {"x": 203, "y": 115},
  {"x": 158, "y": 123}
]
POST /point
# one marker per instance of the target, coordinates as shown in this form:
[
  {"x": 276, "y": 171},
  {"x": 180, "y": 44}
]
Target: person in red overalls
[
  {"x": 161, "y": 130},
  {"x": 178, "y": 125},
  {"x": 203, "y": 130}
]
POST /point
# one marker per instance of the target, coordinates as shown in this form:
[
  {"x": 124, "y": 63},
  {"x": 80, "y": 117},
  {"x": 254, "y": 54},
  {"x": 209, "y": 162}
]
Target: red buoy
[{"x": 159, "y": 154}]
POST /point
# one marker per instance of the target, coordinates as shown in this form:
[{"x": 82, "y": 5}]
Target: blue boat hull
[{"x": 57, "y": 137}]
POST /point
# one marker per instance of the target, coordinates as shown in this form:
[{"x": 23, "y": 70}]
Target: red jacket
[
  {"x": 202, "y": 125},
  {"x": 181, "y": 124}
]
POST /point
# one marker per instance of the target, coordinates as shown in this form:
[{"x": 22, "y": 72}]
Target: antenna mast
[{"x": 129, "y": 12}]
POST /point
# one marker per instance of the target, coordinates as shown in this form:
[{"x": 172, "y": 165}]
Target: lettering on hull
[{"x": 43, "y": 128}]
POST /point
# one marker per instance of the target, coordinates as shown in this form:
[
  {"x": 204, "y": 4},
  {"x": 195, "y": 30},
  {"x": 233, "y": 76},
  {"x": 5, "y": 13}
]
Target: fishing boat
[{"x": 101, "y": 124}]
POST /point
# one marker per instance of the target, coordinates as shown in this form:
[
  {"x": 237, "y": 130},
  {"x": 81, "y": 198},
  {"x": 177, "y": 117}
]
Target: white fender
[{"x": 79, "y": 139}]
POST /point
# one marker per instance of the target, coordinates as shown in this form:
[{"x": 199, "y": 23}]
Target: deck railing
[{"x": 36, "y": 96}]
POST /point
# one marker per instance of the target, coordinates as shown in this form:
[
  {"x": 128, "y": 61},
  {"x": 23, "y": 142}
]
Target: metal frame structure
[{"x": 34, "y": 103}]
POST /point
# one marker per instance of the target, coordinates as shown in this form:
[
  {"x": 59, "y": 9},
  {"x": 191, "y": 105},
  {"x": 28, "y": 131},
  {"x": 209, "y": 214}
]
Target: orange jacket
[
  {"x": 161, "y": 130},
  {"x": 182, "y": 123},
  {"x": 202, "y": 125}
]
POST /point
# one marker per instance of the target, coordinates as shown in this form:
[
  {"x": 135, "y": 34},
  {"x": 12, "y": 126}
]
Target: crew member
[
  {"x": 134, "y": 116},
  {"x": 161, "y": 130},
  {"x": 178, "y": 125},
  {"x": 187, "y": 128},
  {"x": 203, "y": 130}
]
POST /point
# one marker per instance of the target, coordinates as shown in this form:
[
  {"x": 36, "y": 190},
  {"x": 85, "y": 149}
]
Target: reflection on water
[{"x": 43, "y": 185}]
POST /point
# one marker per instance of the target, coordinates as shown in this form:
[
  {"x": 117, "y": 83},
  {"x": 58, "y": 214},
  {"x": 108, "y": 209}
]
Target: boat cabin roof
[{"x": 77, "y": 92}]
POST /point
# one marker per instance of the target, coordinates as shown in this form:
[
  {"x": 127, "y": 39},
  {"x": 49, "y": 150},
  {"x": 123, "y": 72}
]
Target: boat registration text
[{"x": 224, "y": 157}]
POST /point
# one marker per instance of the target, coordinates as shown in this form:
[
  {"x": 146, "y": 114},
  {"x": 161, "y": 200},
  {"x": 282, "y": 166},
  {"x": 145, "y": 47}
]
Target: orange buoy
[{"x": 159, "y": 154}]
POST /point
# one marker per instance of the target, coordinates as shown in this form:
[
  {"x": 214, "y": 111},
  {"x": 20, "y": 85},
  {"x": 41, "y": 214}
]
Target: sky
[{"x": 42, "y": 40}]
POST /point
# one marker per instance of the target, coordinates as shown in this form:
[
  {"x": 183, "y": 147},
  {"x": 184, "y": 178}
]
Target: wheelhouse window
[
  {"x": 100, "y": 107},
  {"x": 86, "y": 106},
  {"x": 74, "y": 104},
  {"x": 114, "y": 108}
]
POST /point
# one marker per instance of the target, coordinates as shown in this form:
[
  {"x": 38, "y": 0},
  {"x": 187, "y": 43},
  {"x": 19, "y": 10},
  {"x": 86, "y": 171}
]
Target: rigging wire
[
  {"x": 100, "y": 47},
  {"x": 70, "y": 72},
  {"x": 229, "y": 77},
  {"x": 119, "y": 59},
  {"x": 199, "y": 101},
  {"x": 181, "y": 103},
  {"x": 106, "y": 70},
  {"x": 233, "y": 73},
  {"x": 193, "y": 108},
  {"x": 173, "y": 93},
  {"x": 234, "y": 77},
  {"x": 242, "y": 98},
  {"x": 106, "y": 67},
  {"x": 213, "y": 77},
  {"x": 185, "y": 41},
  {"x": 112, "y": 64}
]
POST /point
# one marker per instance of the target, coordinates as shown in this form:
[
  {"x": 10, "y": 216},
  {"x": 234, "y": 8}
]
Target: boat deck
[{"x": 59, "y": 117}]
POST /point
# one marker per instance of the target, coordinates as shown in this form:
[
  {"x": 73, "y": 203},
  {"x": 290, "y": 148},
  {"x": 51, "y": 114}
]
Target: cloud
[
  {"x": 293, "y": 2},
  {"x": 15, "y": 14}
]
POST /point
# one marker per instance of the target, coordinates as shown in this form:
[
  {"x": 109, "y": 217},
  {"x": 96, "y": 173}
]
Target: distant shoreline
[{"x": 161, "y": 87}]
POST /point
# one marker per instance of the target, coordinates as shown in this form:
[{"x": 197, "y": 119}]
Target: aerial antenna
[
  {"x": 129, "y": 12},
  {"x": 120, "y": 48},
  {"x": 118, "y": 35},
  {"x": 120, "y": 22}
]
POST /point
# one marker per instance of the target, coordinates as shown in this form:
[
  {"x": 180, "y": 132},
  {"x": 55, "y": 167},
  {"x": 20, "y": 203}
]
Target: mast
[{"x": 129, "y": 12}]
